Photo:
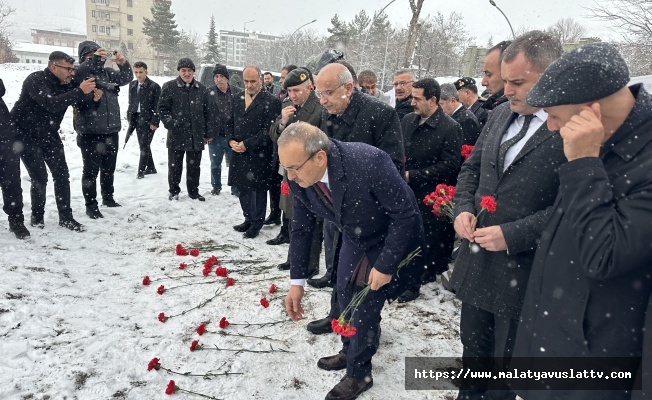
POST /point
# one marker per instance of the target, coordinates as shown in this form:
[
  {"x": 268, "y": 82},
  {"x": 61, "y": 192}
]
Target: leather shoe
[
  {"x": 251, "y": 233},
  {"x": 197, "y": 197},
  {"x": 320, "y": 326},
  {"x": 333, "y": 363},
  {"x": 93, "y": 213},
  {"x": 37, "y": 222},
  {"x": 280, "y": 239},
  {"x": 242, "y": 227},
  {"x": 273, "y": 220},
  {"x": 109, "y": 202},
  {"x": 285, "y": 266},
  {"x": 150, "y": 172},
  {"x": 428, "y": 277},
  {"x": 350, "y": 388},
  {"x": 324, "y": 281},
  {"x": 408, "y": 295},
  {"x": 18, "y": 228},
  {"x": 71, "y": 224},
  {"x": 140, "y": 175},
  {"x": 215, "y": 191}
]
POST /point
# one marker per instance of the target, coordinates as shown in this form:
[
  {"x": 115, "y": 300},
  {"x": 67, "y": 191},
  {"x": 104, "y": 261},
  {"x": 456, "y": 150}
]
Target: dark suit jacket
[
  {"x": 373, "y": 207},
  {"x": 480, "y": 113},
  {"x": 469, "y": 124},
  {"x": 591, "y": 279},
  {"x": 252, "y": 169},
  {"x": 525, "y": 192},
  {"x": 149, "y": 95}
]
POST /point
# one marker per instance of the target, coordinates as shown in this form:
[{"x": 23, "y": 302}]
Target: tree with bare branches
[
  {"x": 567, "y": 30},
  {"x": 632, "y": 18},
  {"x": 413, "y": 32},
  {"x": 6, "y": 11}
]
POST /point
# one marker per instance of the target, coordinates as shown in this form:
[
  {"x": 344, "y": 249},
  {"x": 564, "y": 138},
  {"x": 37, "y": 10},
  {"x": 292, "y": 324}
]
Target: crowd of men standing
[{"x": 561, "y": 143}]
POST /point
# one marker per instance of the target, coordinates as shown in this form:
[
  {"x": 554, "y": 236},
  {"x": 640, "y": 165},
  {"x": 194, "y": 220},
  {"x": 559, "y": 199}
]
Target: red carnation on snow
[
  {"x": 210, "y": 262},
  {"x": 488, "y": 203},
  {"x": 195, "y": 345},
  {"x": 153, "y": 364},
  {"x": 162, "y": 317},
  {"x": 224, "y": 323},
  {"x": 201, "y": 329},
  {"x": 264, "y": 302},
  {"x": 230, "y": 282},
  {"x": 160, "y": 290},
  {"x": 183, "y": 265},
  {"x": 181, "y": 251},
  {"x": 221, "y": 271},
  {"x": 194, "y": 252},
  {"x": 146, "y": 281},
  {"x": 285, "y": 189},
  {"x": 272, "y": 288},
  {"x": 206, "y": 271},
  {"x": 171, "y": 388}
]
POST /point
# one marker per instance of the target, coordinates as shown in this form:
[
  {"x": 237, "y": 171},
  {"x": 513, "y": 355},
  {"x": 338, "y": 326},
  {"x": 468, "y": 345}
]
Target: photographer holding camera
[{"x": 98, "y": 124}]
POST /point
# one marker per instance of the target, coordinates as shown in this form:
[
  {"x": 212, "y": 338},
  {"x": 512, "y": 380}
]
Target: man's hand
[
  {"x": 87, "y": 86},
  {"x": 293, "y": 302},
  {"x": 464, "y": 226},
  {"x": 153, "y": 127},
  {"x": 102, "y": 53},
  {"x": 97, "y": 94},
  {"x": 583, "y": 134},
  {"x": 286, "y": 113},
  {"x": 238, "y": 147},
  {"x": 378, "y": 279},
  {"x": 407, "y": 176},
  {"x": 491, "y": 238},
  {"x": 119, "y": 58},
  {"x": 232, "y": 143}
]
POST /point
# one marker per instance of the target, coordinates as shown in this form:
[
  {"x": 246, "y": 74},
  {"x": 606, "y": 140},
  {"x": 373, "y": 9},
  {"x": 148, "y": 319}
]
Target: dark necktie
[
  {"x": 325, "y": 190},
  {"x": 510, "y": 142}
]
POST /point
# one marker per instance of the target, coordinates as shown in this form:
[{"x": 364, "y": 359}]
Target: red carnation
[
  {"x": 153, "y": 364},
  {"x": 201, "y": 329},
  {"x": 466, "y": 151},
  {"x": 221, "y": 271},
  {"x": 447, "y": 191},
  {"x": 183, "y": 265},
  {"x": 195, "y": 345},
  {"x": 162, "y": 317},
  {"x": 206, "y": 271},
  {"x": 272, "y": 288},
  {"x": 488, "y": 203},
  {"x": 230, "y": 282},
  {"x": 264, "y": 302},
  {"x": 171, "y": 388},
  {"x": 224, "y": 323},
  {"x": 285, "y": 189},
  {"x": 209, "y": 263},
  {"x": 194, "y": 252},
  {"x": 348, "y": 331},
  {"x": 146, "y": 280},
  {"x": 160, "y": 290},
  {"x": 335, "y": 326},
  {"x": 181, "y": 251}
]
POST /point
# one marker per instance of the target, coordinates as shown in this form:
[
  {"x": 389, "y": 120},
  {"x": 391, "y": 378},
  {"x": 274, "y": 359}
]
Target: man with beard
[
  {"x": 43, "y": 101},
  {"x": 492, "y": 79},
  {"x": 403, "y": 80},
  {"x": 98, "y": 125},
  {"x": 251, "y": 162}
]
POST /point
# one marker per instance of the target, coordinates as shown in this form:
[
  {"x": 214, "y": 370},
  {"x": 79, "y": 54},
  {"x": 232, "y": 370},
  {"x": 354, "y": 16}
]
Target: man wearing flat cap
[
  {"x": 590, "y": 283},
  {"x": 468, "y": 92},
  {"x": 301, "y": 104}
]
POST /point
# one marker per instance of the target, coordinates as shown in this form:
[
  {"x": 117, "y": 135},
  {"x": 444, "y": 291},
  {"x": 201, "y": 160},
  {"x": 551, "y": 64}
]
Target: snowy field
[{"x": 76, "y": 322}]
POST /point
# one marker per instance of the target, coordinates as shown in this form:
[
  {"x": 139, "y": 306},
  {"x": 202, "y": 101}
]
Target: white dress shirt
[{"x": 538, "y": 120}]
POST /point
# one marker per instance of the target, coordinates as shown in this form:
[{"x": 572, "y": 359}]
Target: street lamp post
[
  {"x": 285, "y": 49},
  {"x": 244, "y": 28},
  {"x": 493, "y": 3}
]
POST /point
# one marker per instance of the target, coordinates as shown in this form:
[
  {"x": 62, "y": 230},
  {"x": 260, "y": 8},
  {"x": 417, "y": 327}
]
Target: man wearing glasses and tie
[
  {"x": 43, "y": 101},
  {"x": 403, "y": 81}
]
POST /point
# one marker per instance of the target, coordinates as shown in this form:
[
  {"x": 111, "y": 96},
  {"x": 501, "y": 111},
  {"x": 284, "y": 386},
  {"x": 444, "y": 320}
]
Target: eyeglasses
[
  {"x": 327, "y": 93},
  {"x": 69, "y": 69},
  {"x": 403, "y": 83},
  {"x": 295, "y": 170}
]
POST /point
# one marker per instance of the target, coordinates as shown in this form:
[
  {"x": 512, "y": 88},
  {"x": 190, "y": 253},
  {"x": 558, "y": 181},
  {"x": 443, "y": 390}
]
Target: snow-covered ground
[{"x": 76, "y": 322}]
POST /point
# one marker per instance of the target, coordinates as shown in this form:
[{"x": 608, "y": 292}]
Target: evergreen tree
[
  {"x": 161, "y": 29},
  {"x": 212, "y": 47},
  {"x": 188, "y": 48},
  {"x": 339, "y": 32}
]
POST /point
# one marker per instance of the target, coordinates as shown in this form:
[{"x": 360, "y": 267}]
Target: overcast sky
[{"x": 284, "y": 16}]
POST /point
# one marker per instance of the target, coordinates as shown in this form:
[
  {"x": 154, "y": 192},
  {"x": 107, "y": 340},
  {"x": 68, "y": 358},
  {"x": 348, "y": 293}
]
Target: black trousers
[
  {"x": 254, "y": 205},
  {"x": 485, "y": 337},
  {"x": 145, "y": 136},
  {"x": 439, "y": 247},
  {"x": 275, "y": 192},
  {"x": 332, "y": 247},
  {"x": 175, "y": 168},
  {"x": 12, "y": 192},
  {"x": 36, "y": 155},
  {"x": 99, "y": 155}
]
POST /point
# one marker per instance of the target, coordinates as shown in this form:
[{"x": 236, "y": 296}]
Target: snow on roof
[{"x": 43, "y": 48}]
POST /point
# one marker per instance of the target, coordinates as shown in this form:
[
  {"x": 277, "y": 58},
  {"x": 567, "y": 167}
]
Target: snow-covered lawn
[{"x": 76, "y": 322}]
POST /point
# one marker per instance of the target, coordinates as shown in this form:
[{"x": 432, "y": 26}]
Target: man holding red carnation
[{"x": 514, "y": 164}]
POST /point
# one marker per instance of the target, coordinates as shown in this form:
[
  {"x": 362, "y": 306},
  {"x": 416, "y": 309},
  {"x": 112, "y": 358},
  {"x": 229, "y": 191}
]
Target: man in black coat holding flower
[
  {"x": 515, "y": 160},
  {"x": 433, "y": 142}
]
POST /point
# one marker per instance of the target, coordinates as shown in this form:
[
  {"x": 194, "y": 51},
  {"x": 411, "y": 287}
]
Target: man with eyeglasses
[
  {"x": 43, "y": 101},
  {"x": 403, "y": 81}
]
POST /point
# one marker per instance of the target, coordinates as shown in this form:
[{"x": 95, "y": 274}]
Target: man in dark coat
[
  {"x": 433, "y": 142},
  {"x": 142, "y": 114},
  {"x": 403, "y": 81},
  {"x": 43, "y": 101},
  {"x": 450, "y": 102},
  {"x": 188, "y": 112},
  {"x": 251, "y": 163},
  {"x": 356, "y": 187},
  {"x": 351, "y": 116},
  {"x": 468, "y": 94},
  {"x": 590, "y": 283},
  {"x": 515, "y": 161},
  {"x": 492, "y": 79},
  {"x": 98, "y": 124},
  {"x": 12, "y": 192},
  {"x": 301, "y": 104},
  {"x": 224, "y": 96}
]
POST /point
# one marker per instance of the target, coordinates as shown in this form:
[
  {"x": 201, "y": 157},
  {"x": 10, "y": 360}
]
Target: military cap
[
  {"x": 296, "y": 77},
  {"x": 463, "y": 82}
]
